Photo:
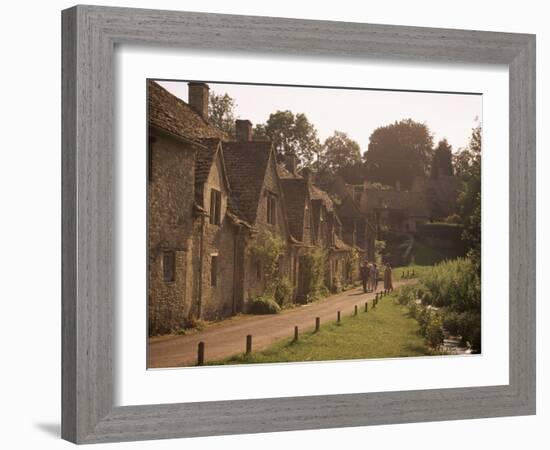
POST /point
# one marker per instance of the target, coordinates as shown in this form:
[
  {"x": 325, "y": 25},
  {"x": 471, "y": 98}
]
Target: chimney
[
  {"x": 243, "y": 130},
  {"x": 291, "y": 162},
  {"x": 308, "y": 175},
  {"x": 198, "y": 98}
]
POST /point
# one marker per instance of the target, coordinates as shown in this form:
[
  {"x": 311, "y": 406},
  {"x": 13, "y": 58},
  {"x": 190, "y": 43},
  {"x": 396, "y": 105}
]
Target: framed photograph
[{"x": 278, "y": 224}]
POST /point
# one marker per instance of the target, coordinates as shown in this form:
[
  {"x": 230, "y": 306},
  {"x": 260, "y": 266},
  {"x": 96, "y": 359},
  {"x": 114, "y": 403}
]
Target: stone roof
[
  {"x": 172, "y": 114},
  {"x": 295, "y": 191},
  {"x": 246, "y": 164},
  {"x": 412, "y": 203}
]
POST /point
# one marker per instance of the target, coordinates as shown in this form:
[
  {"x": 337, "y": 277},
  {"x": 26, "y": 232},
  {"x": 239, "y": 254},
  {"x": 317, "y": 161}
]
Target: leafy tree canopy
[
  {"x": 442, "y": 163},
  {"x": 468, "y": 163},
  {"x": 339, "y": 151},
  {"x": 399, "y": 152},
  {"x": 291, "y": 134},
  {"x": 221, "y": 112}
]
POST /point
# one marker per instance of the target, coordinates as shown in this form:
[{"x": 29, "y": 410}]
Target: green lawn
[
  {"x": 382, "y": 332},
  {"x": 418, "y": 270}
]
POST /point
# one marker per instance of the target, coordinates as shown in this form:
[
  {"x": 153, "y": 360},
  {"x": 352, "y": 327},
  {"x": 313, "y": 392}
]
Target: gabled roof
[
  {"x": 284, "y": 173},
  {"x": 246, "y": 164},
  {"x": 204, "y": 159},
  {"x": 318, "y": 194},
  {"x": 295, "y": 191},
  {"x": 172, "y": 114}
]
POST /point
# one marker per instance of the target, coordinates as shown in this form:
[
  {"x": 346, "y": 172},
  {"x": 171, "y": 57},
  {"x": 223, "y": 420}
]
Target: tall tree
[
  {"x": 221, "y": 112},
  {"x": 339, "y": 152},
  {"x": 469, "y": 199},
  {"x": 291, "y": 134},
  {"x": 442, "y": 162},
  {"x": 399, "y": 152}
]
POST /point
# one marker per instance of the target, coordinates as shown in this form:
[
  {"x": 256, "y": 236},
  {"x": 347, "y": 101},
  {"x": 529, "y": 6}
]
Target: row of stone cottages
[{"x": 208, "y": 195}]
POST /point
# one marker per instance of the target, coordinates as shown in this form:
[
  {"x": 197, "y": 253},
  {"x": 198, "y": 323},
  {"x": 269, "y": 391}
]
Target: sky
[{"x": 357, "y": 112}]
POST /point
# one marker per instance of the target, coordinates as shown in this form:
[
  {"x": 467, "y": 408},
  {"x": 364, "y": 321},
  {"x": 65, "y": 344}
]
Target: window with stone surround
[
  {"x": 169, "y": 265},
  {"x": 215, "y": 206}
]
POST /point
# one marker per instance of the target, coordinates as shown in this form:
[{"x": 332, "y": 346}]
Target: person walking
[
  {"x": 374, "y": 276},
  {"x": 364, "y": 275},
  {"x": 388, "y": 283}
]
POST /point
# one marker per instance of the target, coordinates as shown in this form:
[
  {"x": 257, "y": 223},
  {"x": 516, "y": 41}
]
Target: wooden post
[
  {"x": 317, "y": 324},
  {"x": 296, "y": 333},
  {"x": 200, "y": 354},
  {"x": 366, "y": 306},
  {"x": 355, "y": 309},
  {"x": 248, "y": 344},
  {"x": 338, "y": 316}
]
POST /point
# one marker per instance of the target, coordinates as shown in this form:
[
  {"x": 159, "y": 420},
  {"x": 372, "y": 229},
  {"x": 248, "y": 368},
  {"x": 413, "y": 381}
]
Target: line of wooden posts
[{"x": 248, "y": 345}]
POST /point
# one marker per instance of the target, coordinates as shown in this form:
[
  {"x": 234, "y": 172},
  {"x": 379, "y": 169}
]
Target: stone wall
[
  {"x": 170, "y": 199},
  {"x": 217, "y": 300}
]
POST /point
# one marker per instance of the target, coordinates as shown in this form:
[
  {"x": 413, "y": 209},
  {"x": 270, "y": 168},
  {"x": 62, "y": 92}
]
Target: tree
[
  {"x": 221, "y": 112},
  {"x": 469, "y": 199},
  {"x": 339, "y": 151},
  {"x": 291, "y": 134},
  {"x": 442, "y": 163},
  {"x": 399, "y": 152}
]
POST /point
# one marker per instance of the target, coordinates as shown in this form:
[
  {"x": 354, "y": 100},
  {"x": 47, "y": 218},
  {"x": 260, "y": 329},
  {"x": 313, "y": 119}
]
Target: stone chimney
[
  {"x": 291, "y": 162},
  {"x": 198, "y": 98},
  {"x": 243, "y": 130},
  {"x": 308, "y": 175}
]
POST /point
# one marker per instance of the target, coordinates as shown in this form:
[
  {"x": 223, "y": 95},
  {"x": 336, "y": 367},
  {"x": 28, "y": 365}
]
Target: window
[
  {"x": 271, "y": 209},
  {"x": 215, "y": 206},
  {"x": 169, "y": 265},
  {"x": 214, "y": 270}
]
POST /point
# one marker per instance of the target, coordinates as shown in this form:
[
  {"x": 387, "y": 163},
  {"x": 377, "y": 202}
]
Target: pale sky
[{"x": 354, "y": 111}]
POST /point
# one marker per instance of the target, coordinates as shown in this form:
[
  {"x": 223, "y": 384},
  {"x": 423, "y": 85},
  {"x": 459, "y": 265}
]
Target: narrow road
[{"x": 227, "y": 339}]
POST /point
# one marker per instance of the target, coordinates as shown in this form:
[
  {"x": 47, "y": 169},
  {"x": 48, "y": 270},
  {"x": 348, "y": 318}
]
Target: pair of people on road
[{"x": 369, "y": 277}]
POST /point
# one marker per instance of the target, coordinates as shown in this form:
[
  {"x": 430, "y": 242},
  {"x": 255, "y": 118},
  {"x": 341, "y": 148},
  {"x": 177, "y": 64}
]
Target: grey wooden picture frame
[{"x": 90, "y": 34}]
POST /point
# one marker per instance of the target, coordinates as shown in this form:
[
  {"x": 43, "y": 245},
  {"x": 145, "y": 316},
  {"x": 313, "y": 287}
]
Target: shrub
[
  {"x": 425, "y": 297},
  {"x": 266, "y": 248},
  {"x": 413, "y": 309},
  {"x": 283, "y": 292},
  {"x": 454, "y": 284},
  {"x": 313, "y": 266},
  {"x": 406, "y": 294},
  {"x": 263, "y": 305},
  {"x": 434, "y": 330},
  {"x": 455, "y": 287}
]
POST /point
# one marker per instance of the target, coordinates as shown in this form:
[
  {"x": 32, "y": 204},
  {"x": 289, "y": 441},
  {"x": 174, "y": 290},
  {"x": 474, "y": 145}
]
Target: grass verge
[{"x": 387, "y": 331}]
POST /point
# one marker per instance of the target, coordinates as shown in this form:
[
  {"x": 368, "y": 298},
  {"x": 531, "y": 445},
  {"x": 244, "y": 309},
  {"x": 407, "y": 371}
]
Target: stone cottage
[
  {"x": 210, "y": 198},
  {"x": 257, "y": 198}
]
